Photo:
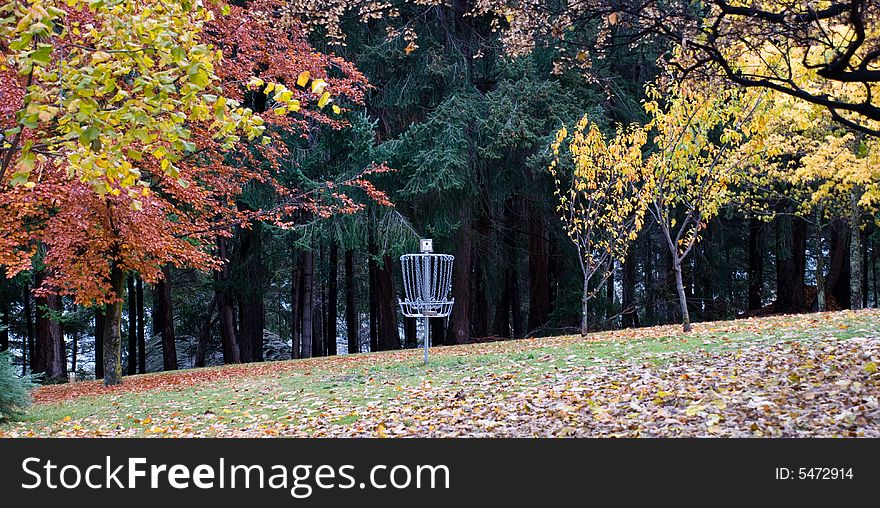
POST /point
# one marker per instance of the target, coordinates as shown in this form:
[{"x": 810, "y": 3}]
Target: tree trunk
[
  {"x": 351, "y": 321},
  {"x": 100, "y": 325},
  {"x": 319, "y": 323},
  {"x": 790, "y": 264},
  {"x": 682, "y": 298},
  {"x": 29, "y": 331},
  {"x": 252, "y": 311},
  {"x": 480, "y": 314},
  {"x": 296, "y": 305},
  {"x": 4, "y": 317},
  {"x": 74, "y": 353},
  {"x": 386, "y": 311},
  {"x": 838, "y": 280},
  {"x": 438, "y": 331},
  {"x": 308, "y": 303},
  {"x": 585, "y": 308},
  {"x": 609, "y": 294},
  {"x": 502, "y": 309},
  {"x": 864, "y": 271},
  {"x": 332, "y": 299},
  {"x": 49, "y": 356},
  {"x": 459, "y": 329},
  {"x": 756, "y": 266},
  {"x": 539, "y": 274},
  {"x": 165, "y": 311},
  {"x": 628, "y": 284},
  {"x": 410, "y": 337},
  {"x": 820, "y": 270},
  {"x": 113, "y": 330},
  {"x": 141, "y": 323},
  {"x": 874, "y": 273},
  {"x": 225, "y": 307},
  {"x": 373, "y": 268},
  {"x": 132, "y": 326},
  {"x": 855, "y": 254}
]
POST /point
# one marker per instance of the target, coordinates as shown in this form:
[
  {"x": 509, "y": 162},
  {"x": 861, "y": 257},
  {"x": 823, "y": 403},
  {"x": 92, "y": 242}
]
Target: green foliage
[{"x": 14, "y": 390}]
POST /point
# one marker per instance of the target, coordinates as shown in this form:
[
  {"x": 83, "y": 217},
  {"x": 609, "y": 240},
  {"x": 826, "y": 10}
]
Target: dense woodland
[{"x": 465, "y": 129}]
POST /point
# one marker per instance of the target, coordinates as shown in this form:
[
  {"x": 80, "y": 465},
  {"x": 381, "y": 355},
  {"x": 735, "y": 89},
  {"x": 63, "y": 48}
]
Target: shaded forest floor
[{"x": 800, "y": 375}]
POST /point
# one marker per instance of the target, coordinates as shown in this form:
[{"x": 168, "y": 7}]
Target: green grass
[{"x": 303, "y": 392}]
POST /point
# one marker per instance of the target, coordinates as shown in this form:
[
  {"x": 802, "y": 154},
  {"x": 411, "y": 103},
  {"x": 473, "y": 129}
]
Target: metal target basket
[{"x": 427, "y": 284}]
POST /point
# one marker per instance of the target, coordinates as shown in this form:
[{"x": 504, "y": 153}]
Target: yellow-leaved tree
[
  {"x": 601, "y": 201},
  {"x": 703, "y": 139}
]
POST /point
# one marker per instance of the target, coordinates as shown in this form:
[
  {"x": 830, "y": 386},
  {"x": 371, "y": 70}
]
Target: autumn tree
[
  {"x": 119, "y": 118},
  {"x": 602, "y": 204},
  {"x": 700, "y": 138}
]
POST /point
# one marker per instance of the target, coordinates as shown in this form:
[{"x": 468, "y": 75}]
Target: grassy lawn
[{"x": 807, "y": 375}]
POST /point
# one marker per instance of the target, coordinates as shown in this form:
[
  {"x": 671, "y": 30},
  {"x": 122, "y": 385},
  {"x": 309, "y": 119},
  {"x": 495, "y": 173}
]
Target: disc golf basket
[{"x": 427, "y": 282}]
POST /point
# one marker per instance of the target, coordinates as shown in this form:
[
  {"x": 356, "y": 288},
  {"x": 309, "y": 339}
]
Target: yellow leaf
[
  {"x": 303, "y": 78},
  {"x": 30, "y": 185},
  {"x": 870, "y": 367},
  {"x": 324, "y": 99},
  {"x": 147, "y": 421},
  {"x": 318, "y": 86},
  {"x": 336, "y": 109}
]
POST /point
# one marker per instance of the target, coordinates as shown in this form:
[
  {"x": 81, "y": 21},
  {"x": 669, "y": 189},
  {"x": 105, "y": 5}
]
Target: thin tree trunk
[
  {"x": 132, "y": 326},
  {"x": 864, "y": 270},
  {"x": 373, "y": 297},
  {"x": 141, "y": 325},
  {"x": 756, "y": 266},
  {"x": 166, "y": 320},
  {"x": 29, "y": 330},
  {"x": 332, "y": 299},
  {"x": 585, "y": 308},
  {"x": 820, "y": 270},
  {"x": 351, "y": 321},
  {"x": 502, "y": 309},
  {"x": 49, "y": 358},
  {"x": 113, "y": 330},
  {"x": 296, "y": 306},
  {"x": 373, "y": 268},
  {"x": 100, "y": 325},
  {"x": 855, "y": 254},
  {"x": 874, "y": 273},
  {"x": 628, "y": 284},
  {"x": 609, "y": 294},
  {"x": 515, "y": 308},
  {"x": 74, "y": 352},
  {"x": 308, "y": 303},
  {"x": 682, "y": 298},
  {"x": 389, "y": 336},
  {"x": 4, "y": 318}
]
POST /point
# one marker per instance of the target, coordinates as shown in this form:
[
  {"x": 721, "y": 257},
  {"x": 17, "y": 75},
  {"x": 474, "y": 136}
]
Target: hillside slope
[{"x": 803, "y": 375}]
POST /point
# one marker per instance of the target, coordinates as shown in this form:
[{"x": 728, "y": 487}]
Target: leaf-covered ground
[{"x": 806, "y": 375}]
